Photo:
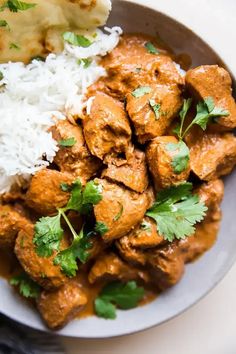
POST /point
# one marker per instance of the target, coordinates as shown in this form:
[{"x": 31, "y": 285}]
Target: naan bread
[{"x": 38, "y": 30}]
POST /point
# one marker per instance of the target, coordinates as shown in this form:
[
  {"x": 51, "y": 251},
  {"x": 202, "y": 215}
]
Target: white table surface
[{"x": 210, "y": 326}]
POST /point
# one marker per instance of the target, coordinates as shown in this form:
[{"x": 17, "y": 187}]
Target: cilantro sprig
[
  {"x": 16, "y": 5},
  {"x": 117, "y": 294},
  {"x": 151, "y": 48},
  {"x": 48, "y": 230},
  {"x": 27, "y": 287},
  {"x": 76, "y": 39},
  {"x": 176, "y": 211},
  {"x": 206, "y": 112},
  {"x": 67, "y": 142},
  {"x": 141, "y": 91}
]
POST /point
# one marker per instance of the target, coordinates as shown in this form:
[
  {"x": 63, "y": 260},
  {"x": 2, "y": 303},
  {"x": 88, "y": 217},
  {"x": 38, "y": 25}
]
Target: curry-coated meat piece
[
  {"x": 110, "y": 267},
  {"x": 131, "y": 247},
  {"x": 120, "y": 209},
  {"x": 212, "y": 155},
  {"x": 213, "y": 81},
  {"x": 211, "y": 194},
  {"x": 132, "y": 173},
  {"x": 160, "y": 162},
  {"x": 60, "y": 306},
  {"x": 106, "y": 129},
  {"x": 75, "y": 159},
  {"x": 127, "y": 72},
  {"x": 166, "y": 265},
  {"x": 40, "y": 269},
  {"x": 10, "y": 224},
  {"x": 45, "y": 194},
  {"x": 204, "y": 238},
  {"x": 149, "y": 124}
]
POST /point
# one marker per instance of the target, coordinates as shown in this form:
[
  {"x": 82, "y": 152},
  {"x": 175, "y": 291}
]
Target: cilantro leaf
[
  {"x": 14, "y": 46},
  {"x": 76, "y": 39},
  {"x": 141, "y": 91},
  {"x": 82, "y": 200},
  {"x": 181, "y": 158},
  {"x": 86, "y": 62},
  {"x": 119, "y": 214},
  {"x": 155, "y": 107},
  {"x": 150, "y": 48},
  {"x": 65, "y": 187},
  {"x": 123, "y": 295},
  {"x": 27, "y": 287},
  {"x": 76, "y": 198},
  {"x": 3, "y": 23},
  {"x": 104, "y": 309},
  {"x": 48, "y": 234},
  {"x": 67, "y": 259},
  {"x": 67, "y": 142},
  {"x": 206, "y": 112},
  {"x": 16, "y": 5},
  {"x": 176, "y": 211},
  {"x": 145, "y": 225},
  {"x": 101, "y": 228}
]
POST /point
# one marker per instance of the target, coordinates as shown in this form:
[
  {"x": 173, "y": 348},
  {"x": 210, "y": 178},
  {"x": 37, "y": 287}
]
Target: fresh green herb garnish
[
  {"x": 27, "y": 287},
  {"x": 123, "y": 295},
  {"x": 145, "y": 225},
  {"x": 67, "y": 259},
  {"x": 67, "y": 142},
  {"x": 48, "y": 235},
  {"x": 15, "y": 6},
  {"x": 14, "y": 46},
  {"x": 1, "y": 76},
  {"x": 86, "y": 62},
  {"x": 155, "y": 107},
  {"x": 65, "y": 187},
  {"x": 181, "y": 159},
  {"x": 176, "y": 211},
  {"x": 76, "y": 39},
  {"x": 119, "y": 214},
  {"x": 3, "y": 23},
  {"x": 150, "y": 48},
  {"x": 48, "y": 230},
  {"x": 141, "y": 91},
  {"x": 101, "y": 228},
  {"x": 206, "y": 112}
]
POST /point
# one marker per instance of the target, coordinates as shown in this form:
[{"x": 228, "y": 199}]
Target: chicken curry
[{"x": 133, "y": 193}]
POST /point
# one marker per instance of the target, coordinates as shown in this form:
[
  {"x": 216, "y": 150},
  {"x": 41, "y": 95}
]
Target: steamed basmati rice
[{"x": 35, "y": 95}]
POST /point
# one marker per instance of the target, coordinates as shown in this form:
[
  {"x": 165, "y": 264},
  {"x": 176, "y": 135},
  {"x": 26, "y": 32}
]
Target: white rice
[{"x": 33, "y": 96}]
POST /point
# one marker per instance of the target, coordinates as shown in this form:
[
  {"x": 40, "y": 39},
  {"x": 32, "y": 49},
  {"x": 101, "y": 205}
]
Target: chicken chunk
[
  {"x": 143, "y": 237},
  {"x": 160, "y": 160},
  {"x": 10, "y": 223},
  {"x": 147, "y": 123},
  {"x": 106, "y": 129},
  {"x": 211, "y": 194},
  {"x": 59, "y": 307},
  {"x": 110, "y": 267},
  {"x": 45, "y": 194},
  {"x": 120, "y": 209},
  {"x": 75, "y": 159},
  {"x": 212, "y": 155},
  {"x": 40, "y": 269},
  {"x": 212, "y": 81},
  {"x": 166, "y": 265},
  {"x": 127, "y": 72},
  {"x": 132, "y": 174},
  {"x": 204, "y": 238}
]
